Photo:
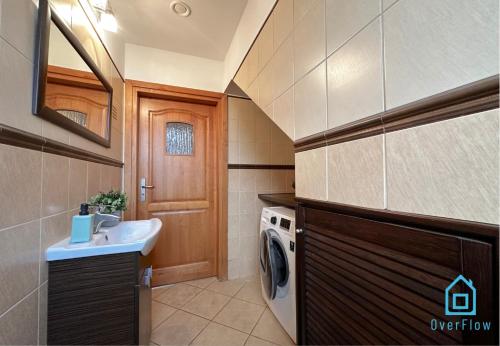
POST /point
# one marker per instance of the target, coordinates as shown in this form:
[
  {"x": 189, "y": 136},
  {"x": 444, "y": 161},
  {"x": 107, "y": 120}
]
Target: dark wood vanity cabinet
[
  {"x": 367, "y": 277},
  {"x": 99, "y": 300}
]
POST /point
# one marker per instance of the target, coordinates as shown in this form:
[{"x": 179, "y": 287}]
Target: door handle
[{"x": 143, "y": 189}]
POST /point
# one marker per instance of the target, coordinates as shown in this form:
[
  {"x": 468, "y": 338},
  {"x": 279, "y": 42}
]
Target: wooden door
[{"x": 177, "y": 155}]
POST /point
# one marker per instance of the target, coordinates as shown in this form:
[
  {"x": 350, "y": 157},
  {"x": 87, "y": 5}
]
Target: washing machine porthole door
[{"x": 273, "y": 262}]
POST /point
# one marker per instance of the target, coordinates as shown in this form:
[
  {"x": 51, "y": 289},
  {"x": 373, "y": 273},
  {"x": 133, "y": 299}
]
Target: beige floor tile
[
  {"x": 253, "y": 341},
  {"x": 253, "y": 278},
  {"x": 218, "y": 335},
  {"x": 251, "y": 292},
  {"x": 206, "y": 304},
  {"x": 240, "y": 315},
  {"x": 268, "y": 328},
  {"x": 228, "y": 288},
  {"x": 201, "y": 283},
  {"x": 160, "y": 312},
  {"x": 179, "y": 329},
  {"x": 158, "y": 291},
  {"x": 178, "y": 295}
]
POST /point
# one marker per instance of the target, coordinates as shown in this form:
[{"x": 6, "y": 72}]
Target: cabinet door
[{"x": 367, "y": 282}]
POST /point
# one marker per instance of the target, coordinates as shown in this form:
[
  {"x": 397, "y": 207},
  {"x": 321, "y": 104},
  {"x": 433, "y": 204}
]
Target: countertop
[{"x": 282, "y": 199}]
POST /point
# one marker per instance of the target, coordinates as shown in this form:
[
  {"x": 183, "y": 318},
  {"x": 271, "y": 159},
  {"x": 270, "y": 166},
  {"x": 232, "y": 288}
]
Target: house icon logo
[{"x": 460, "y": 304}]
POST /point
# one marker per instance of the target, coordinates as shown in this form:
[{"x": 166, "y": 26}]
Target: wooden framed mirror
[{"x": 69, "y": 88}]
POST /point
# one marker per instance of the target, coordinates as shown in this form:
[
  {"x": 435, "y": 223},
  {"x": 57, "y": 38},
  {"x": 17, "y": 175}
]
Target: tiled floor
[{"x": 209, "y": 312}]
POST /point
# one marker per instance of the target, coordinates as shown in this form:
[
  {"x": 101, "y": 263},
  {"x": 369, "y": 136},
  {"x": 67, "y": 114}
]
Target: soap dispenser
[{"x": 81, "y": 229}]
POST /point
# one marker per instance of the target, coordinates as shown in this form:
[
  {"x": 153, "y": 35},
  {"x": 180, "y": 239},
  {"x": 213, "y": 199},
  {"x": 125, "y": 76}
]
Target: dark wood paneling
[
  {"x": 23, "y": 139},
  {"x": 94, "y": 300},
  {"x": 251, "y": 166},
  {"x": 282, "y": 199},
  {"x": 467, "y": 99},
  {"x": 373, "y": 277}
]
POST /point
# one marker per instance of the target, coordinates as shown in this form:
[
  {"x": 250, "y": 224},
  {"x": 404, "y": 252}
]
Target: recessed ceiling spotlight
[{"x": 180, "y": 8}]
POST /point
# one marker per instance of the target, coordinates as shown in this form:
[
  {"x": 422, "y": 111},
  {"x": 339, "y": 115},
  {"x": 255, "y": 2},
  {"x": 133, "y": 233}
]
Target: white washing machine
[{"x": 277, "y": 265}]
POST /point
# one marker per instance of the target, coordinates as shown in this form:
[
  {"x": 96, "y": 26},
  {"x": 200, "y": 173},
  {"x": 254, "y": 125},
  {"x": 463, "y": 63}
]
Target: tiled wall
[
  {"x": 253, "y": 139},
  {"x": 320, "y": 64},
  {"x": 39, "y": 191}
]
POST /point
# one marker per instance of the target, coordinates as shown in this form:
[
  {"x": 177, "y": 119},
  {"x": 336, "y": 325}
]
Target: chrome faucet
[{"x": 99, "y": 219}]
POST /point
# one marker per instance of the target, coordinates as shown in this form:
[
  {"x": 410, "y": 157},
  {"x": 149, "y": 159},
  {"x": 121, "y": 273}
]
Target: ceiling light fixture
[
  {"x": 180, "y": 8},
  {"x": 105, "y": 15}
]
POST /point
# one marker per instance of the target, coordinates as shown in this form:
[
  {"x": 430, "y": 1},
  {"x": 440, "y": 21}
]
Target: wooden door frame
[{"x": 134, "y": 90}]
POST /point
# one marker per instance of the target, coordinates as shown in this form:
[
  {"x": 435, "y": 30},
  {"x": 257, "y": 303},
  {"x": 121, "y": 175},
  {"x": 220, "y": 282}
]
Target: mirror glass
[{"x": 72, "y": 89}]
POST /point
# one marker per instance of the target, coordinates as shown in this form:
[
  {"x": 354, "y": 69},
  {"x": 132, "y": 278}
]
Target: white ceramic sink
[{"x": 127, "y": 236}]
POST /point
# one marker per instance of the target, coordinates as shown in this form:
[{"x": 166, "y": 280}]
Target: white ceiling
[{"x": 207, "y": 32}]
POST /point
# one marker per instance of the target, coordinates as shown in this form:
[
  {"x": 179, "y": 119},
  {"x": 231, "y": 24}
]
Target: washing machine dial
[{"x": 274, "y": 220}]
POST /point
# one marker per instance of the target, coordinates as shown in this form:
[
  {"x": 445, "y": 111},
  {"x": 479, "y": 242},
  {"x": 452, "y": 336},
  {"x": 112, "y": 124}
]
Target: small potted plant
[{"x": 112, "y": 202}]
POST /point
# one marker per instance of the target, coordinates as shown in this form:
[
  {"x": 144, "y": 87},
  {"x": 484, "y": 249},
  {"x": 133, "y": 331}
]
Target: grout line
[
  {"x": 19, "y": 302},
  {"x": 384, "y": 103},
  {"x": 31, "y": 62}
]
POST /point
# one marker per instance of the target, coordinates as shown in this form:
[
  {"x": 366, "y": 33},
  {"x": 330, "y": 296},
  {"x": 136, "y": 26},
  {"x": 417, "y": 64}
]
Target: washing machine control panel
[
  {"x": 274, "y": 220},
  {"x": 285, "y": 224}
]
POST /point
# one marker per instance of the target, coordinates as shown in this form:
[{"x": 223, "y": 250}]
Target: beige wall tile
[
  {"x": 438, "y": 49},
  {"x": 253, "y": 63},
  {"x": 42, "y": 313},
  {"x": 247, "y": 152},
  {"x": 283, "y": 21},
  {"x": 16, "y": 84},
  {"x": 344, "y": 18},
  {"x": 300, "y": 8},
  {"x": 266, "y": 86},
  {"x": 54, "y": 228},
  {"x": 248, "y": 267},
  {"x": 55, "y": 132},
  {"x": 233, "y": 180},
  {"x": 448, "y": 169},
  {"x": 247, "y": 180},
  {"x": 55, "y": 184},
  {"x": 93, "y": 179},
  {"x": 387, "y": 3},
  {"x": 249, "y": 225},
  {"x": 247, "y": 202},
  {"x": 309, "y": 40},
  {"x": 283, "y": 68},
  {"x": 20, "y": 249},
  {"x": 77, "y": 183},
  {"x": 253, "y": 91},
  {"x": 233, "y": 203},
  {"x": 354, "y": 74},
  {"x": 263, "y": 182},
  {"x": 310, "y": 103},
  {"x": 233, "y": 248},
  {"x": 310, "y": 174},
  {"x": 233, "y": 226},
  {"x": 266, "y": 42},
  {"x": 233, "y": 269},
  {"x": 20, "y": 33},
  {"x": 20, "y": 185},
  {"x": 233, "y": 129},
  {"x": 233, "y": 152},
  {"x": 356, "y": 172},
  {"x": 262, "y": 152},
  {"x": 284, "y": 113},
  {"x": 19, "y": 326}
]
